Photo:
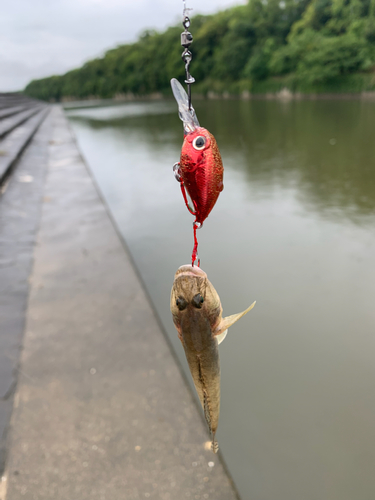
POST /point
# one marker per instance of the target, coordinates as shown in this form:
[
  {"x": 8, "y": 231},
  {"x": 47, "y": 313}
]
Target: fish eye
[
  {"x": 199, "y": 142},
  {"x": 181, "y": 303},
  {"x": 198, "y": 301}
]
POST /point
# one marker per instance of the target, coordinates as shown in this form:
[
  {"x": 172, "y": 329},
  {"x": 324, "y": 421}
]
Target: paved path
[{"x": 102, "y": 411}]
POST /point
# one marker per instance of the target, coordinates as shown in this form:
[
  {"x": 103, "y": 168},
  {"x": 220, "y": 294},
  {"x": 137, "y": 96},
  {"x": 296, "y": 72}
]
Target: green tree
[{"x": 312, "y": 42}]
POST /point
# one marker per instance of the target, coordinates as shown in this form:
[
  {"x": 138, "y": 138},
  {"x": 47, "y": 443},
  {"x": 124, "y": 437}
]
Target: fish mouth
[{"x": 189, "y": 270}]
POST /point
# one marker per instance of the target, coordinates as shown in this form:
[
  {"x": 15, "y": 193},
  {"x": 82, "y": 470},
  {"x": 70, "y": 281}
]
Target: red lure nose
[{"x": 201, "y": 171}]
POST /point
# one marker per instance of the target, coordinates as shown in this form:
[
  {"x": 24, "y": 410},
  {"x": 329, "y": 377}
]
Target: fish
[
  {"x": 200, "y": 169},
  {"x": 197, "y": 316}
]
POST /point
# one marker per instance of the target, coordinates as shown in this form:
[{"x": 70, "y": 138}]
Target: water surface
[{"x": 293, "y": 229}]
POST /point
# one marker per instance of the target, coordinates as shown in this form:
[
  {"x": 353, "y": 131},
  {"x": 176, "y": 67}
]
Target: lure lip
[{"x": 187, "y": 116}]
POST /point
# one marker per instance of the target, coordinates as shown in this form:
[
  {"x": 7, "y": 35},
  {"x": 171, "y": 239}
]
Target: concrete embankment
[
  {"x": 101, "y": 409},
  {"x": 20, "y": 208}
]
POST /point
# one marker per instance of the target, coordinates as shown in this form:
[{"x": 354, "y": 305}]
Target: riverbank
[{"x": 282, "y": 95}]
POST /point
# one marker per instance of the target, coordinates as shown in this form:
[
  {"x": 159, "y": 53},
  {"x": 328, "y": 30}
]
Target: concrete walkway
[{"x": 101, "y": 410}]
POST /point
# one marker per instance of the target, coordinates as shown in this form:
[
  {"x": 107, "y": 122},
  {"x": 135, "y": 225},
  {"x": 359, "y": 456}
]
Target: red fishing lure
[{"x": 200, "y": 170}]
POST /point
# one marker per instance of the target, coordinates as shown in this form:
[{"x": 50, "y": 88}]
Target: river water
[{"x": 294, "y": 229}]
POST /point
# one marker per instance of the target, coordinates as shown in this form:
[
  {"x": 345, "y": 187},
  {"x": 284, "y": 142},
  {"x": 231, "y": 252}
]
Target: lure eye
[
  {"x": 181, "y": 303},
  {"x": 198, "y": 301},
  {"x": 199, "y": 143}
]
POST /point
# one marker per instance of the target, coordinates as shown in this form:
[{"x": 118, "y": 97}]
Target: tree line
[{"x": 266, "y": 45}]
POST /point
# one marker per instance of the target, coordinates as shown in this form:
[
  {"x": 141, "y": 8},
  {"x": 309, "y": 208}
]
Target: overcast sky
[{"x": 44, "y": 37}]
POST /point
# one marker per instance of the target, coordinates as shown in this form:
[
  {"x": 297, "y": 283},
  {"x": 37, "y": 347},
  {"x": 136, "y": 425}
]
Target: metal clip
[
  {"x": 186, "y": 39},
  {"x": 187, "y": 57}
]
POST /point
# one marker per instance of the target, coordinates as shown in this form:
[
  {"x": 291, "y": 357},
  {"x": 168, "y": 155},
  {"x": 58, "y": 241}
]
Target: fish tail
[{"x": 214, "y": 446}]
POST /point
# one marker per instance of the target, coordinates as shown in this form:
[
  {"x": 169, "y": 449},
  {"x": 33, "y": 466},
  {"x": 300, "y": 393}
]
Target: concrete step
[
  {"x": 8, "y": 101},
  {"x": 15, "y": 142},
  {"x": 10, "y": 123},
  {"x": 20, "y": 210},
  {"x": 12, "y": 110}
]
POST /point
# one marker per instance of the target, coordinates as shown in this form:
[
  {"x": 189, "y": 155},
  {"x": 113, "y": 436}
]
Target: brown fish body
[
  {"x": 202, "y": 354},
  {"x": 197, "y": 316}
]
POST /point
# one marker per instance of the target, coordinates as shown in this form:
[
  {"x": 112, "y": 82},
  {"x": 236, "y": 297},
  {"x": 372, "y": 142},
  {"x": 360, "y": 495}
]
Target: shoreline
[{"x": 283, "y": 95}]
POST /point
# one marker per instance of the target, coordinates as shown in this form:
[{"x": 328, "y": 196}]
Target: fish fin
[
  {"x": 230, "y": 320},
  {"x": 221, "y": 336}
]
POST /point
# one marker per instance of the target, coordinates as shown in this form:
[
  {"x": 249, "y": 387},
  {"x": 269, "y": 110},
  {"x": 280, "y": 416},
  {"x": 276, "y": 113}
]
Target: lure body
[
  {"x": 201, "y": 171},
  {"x": 197, "y": 315}
]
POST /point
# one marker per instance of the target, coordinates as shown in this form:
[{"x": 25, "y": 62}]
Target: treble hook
[{"x": 196, "y": 225}]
